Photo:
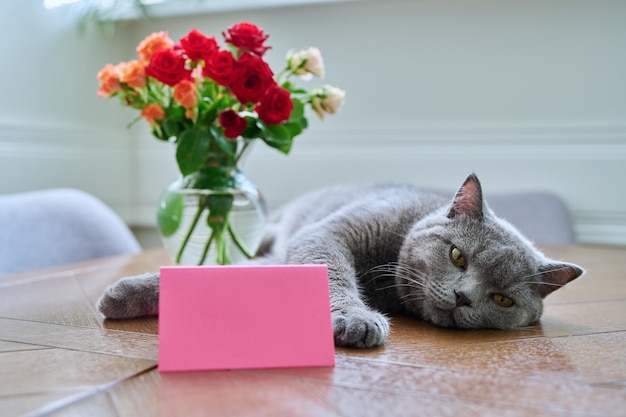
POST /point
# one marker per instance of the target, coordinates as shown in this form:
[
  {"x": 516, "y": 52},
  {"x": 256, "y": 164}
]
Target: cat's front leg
[
  {"x": 131, "y": 297},
  {"x": 354, "y": 323}
]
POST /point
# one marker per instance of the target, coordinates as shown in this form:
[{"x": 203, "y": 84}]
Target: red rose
[
  {"x": 219, "y": 67},
  {"x": 275, "y": 106},
  {"x": 168, "y": 67},
  {"x": 233, "y": 124},
  {"x": 248, "y": 37},
  {"x": 250, "y": 79},
  {"x": 197, "y": 46}
]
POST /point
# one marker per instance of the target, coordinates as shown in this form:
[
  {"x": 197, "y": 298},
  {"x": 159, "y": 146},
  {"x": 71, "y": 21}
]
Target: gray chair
[
  {"x": 40, "y": 229},
  {"x": 542, "y": 217}
]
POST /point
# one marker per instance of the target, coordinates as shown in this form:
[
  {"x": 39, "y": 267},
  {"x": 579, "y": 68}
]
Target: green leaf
[
  {"x": 297, "y": 122},
  {"x": 228, "y": 146},
  {"x": 170, "y": 213},
  {"x": 192, "y": 150},
  {"x": 209, "y": 90},
  {"x": 298, "y": 110},
  {"x": 277, "y": 136},
  {"x": 208, "y": 117},
  {"x": 294, "y": 128},
  {"x": 252, "y": 131},
  {"x": 177, "y": 113},
  {"x": 170, "y": 127}
]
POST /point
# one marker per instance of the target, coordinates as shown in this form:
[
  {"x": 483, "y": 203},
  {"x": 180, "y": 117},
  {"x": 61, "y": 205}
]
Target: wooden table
[{"x": 58, "y": 357}]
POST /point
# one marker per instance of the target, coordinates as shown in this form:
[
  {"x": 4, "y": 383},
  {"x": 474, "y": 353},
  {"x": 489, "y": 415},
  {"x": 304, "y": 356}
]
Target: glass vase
[{"x": 215, "y": 216}]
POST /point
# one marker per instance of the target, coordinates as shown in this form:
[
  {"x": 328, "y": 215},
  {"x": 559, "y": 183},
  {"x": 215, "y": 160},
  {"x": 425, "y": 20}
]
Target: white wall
[
  {"x": 530, "y": 95},
  {"x": 54, "y": 131}
]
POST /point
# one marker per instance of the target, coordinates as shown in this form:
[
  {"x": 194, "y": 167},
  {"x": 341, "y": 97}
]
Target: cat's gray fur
[{"x": 388, "y": 250}]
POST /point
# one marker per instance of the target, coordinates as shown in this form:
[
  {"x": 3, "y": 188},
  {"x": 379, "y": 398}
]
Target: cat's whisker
[
  {"x": 413, "y": 295},
  {"x": 414, "y": 284},
  {"x": 411, "y": 283},
  {"x": 393, "y": 232},
  {"x": 411, "y": 298},
  {"x": 395, "y": 286},
  {"x": 537, "y": 274},
  {"x": 553, "y": 284},
  {"x": 395, "y": 269},
  {"x": 386, "y": 268},
  {"x": 529, "y": 328},
  {"x": 412, "y": 272},
  {"x": 547, "y": 271},
  {"x": 414, "y": 280},
  {"x": 384, "y": 276},
  {"x": 418, "y": 282}
]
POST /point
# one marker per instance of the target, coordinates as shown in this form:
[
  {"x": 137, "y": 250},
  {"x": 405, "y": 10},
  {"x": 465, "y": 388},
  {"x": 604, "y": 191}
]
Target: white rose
[
  {"x": 306, "y": 62},
  {"x": 328, "y": 99},
  {"x": 316, "y": 103}
]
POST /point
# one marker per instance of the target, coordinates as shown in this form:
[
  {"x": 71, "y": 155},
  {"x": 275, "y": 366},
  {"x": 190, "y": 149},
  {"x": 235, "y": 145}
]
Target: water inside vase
[{"x": 247, "y": 217}]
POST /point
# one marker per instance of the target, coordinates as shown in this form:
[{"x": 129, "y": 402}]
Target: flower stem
[
  {"x": 281, "y": 74},
  {"x": 223, "y": 257},
  {"x": 190, "y": 231},
  {"x": 243, "y": 149},
  {"x": 240, "y": 244},
  {"x": 206, "y": 248}
]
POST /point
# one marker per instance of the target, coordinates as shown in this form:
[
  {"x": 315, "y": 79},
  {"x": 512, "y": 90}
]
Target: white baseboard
[
  {"x": 605, "y": 228},
  {"x": 585, "y": 166},
  {"x": 96, "y": 161}
]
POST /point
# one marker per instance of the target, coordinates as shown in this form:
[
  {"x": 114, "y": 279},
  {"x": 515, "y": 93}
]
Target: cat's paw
[
  {"x": 131, "y": 297},
  {"x": 359, "y": 328}
]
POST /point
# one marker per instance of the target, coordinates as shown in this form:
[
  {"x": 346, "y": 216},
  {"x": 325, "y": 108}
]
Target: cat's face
[{"x": 464, "y": 267}]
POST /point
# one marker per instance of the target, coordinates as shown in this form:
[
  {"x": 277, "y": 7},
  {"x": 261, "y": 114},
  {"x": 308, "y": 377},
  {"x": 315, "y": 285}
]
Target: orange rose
[
  {"x": 156, "y": 41},
  {"x": 109, "y": 81},
  {"x": 132, "y": 73},
  {"x": 190, "y": 113},
  {"x": 185, "y": 93},
  {"x": 152, "y": 113}
]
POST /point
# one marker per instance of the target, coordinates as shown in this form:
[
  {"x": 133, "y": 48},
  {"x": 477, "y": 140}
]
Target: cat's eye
[
  {"x": 502, "y": 300},
  {"x": 457, "y": 258}
]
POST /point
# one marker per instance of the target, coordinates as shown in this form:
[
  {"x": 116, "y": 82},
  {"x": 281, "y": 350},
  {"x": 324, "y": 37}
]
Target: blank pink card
[{"x": 244, "y": 317}]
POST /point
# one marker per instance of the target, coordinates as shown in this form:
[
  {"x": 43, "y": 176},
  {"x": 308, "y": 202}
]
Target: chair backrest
[
  {"x": 51, "y": 227},
  {"x": 542, "y": 217}
]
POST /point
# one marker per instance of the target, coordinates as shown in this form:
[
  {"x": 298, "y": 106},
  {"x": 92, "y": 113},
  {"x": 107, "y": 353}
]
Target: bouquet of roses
[{"x": 210, "y": 100}]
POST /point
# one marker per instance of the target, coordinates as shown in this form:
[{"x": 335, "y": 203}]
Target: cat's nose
[{"x": 462, "y": 299}]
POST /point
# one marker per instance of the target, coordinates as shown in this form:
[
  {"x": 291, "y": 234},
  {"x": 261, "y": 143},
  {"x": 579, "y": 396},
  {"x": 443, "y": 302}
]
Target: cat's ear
[
  {"x": 468, "y": 200},
  {"x": 555, "y": 275}
]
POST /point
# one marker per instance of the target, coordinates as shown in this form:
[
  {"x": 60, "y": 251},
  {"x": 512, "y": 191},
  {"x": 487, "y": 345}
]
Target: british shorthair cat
[{"x": 396, "y": 249}]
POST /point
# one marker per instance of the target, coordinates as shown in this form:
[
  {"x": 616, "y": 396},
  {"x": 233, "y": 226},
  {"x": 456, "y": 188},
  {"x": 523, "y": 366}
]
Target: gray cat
[{"x": 394, "y": 249}]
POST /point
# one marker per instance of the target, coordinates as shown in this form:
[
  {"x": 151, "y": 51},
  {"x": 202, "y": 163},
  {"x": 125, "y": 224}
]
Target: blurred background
[{"x": 529, "y": 95}]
